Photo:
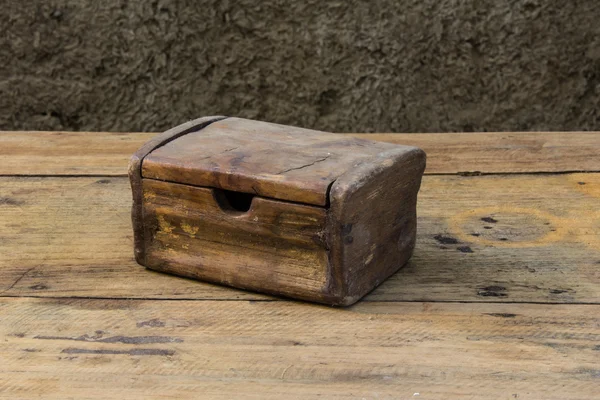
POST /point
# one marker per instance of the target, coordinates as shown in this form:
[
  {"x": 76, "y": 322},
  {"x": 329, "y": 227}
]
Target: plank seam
[
  {"x": 291, "y": 301},
  {"x": 466, "y": 174}
]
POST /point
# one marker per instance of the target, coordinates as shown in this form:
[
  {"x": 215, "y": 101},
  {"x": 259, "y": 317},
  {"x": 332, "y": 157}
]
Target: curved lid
[{"x": 269, "y": 160}]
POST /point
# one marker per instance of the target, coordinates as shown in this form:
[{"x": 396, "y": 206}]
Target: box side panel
[
  {"x": 135, "y": 174},
  {"x": 274, "y": 247},
  {"x": 374, "y": 221}
]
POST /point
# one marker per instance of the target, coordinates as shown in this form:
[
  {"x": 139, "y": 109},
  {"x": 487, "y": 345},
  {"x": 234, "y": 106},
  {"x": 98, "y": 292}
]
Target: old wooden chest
[{"x": 275, "y": 209}]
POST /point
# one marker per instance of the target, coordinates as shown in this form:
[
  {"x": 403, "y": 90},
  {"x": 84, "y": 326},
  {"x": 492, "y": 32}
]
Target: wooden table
[{"x": 500, "y": 301}]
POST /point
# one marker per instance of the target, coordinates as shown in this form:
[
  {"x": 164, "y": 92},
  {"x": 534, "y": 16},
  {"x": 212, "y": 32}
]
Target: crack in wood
[
  {"x": 18, "y": 279},
  {"x": 304, "y": 166}
]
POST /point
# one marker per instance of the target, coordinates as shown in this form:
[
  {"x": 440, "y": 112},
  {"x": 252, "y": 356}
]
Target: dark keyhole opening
[{"x": 232, "y": 201}]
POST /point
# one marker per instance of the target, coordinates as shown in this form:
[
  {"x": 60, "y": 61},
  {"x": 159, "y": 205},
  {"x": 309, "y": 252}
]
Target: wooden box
[{"x": 275, "y": 209}]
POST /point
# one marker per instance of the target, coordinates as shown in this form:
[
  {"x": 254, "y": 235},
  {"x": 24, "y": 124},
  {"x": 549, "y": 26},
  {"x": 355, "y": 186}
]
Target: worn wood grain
[
  {"x": 101, "y": 153},
  {"x": 504, "y": 152},
  {"x": 538, "y": 242},
  {"x": 274, "y": 247},
  {"x": 68, "y": 153},
  {"x": 489, "y": 243},
  {"x": 134, "y": 171},
  {"x": 373, "y": 221},
  {"x": 269, "y": 160},
  {"x": 88, "y": 349}
]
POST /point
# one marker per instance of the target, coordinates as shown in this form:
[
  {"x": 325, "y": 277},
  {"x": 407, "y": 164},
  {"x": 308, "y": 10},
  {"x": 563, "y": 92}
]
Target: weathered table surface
[{"x": 500, "y": 301}]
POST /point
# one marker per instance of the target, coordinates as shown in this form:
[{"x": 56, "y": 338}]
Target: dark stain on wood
[
  {"x": 141, "y": 339},
  {"x": 558, "y": 291},
  {"x": 154, "y": 323},
  {"x": 492, "y": 291},
  {"x": 594, "y": 373},
  {"x": 465, "y": 249},
  {"x": 346, "y": 229},
  {"x": 131, "y": 352},
  {"x": 554, "y": 345},
  {"x": 502, "y": 315},
  {"x": 28, "y": 350},
  {"x": 39, "y": 286},
  {"x": 476, "y": 234},
  {"x": 103, "y": 181},
  {"x": 445, "y": 239},
  {"x": 581, "y": 183},
  {"x": 489, "y": 219},
  {"x": 116, "y": 339},
  {"x": 68, "y": 358},
  {"x": 9, "y": 201}
]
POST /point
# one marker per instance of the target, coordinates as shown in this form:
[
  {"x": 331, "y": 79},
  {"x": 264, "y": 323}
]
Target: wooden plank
[
  {"x": 90, "y": 349},
  {"x": 507, "y": 152},
  {"x": 68, "y": 153},
  {"x": 72, "y": 237},
  {"x": 100, "y": 153}
]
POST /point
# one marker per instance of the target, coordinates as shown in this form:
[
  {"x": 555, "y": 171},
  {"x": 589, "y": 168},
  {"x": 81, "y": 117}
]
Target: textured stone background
[{"x": 403, "y": 66}]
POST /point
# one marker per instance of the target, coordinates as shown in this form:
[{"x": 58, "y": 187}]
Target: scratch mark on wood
[
  {"x": 224, "y": 151},
  {"x": 19, "y": 278},
  {"x": 502, "y": 315},
  {"x": 131, "y": 352},
  {"x": 285, "y": 370}
]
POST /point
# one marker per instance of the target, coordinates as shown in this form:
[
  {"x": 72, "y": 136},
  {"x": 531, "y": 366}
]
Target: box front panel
[{"x": 264, "y": 245}]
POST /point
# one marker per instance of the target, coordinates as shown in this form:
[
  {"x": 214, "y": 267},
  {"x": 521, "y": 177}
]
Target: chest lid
[{"x": 260, "y": 158}]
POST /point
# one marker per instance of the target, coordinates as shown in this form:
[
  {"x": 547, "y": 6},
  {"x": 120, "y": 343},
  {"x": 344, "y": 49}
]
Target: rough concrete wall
[{"x": 404, "y": 66}]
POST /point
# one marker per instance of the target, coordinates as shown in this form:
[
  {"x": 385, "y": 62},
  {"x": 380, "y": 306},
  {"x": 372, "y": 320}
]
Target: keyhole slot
[{"x": 233, "y": 202}]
